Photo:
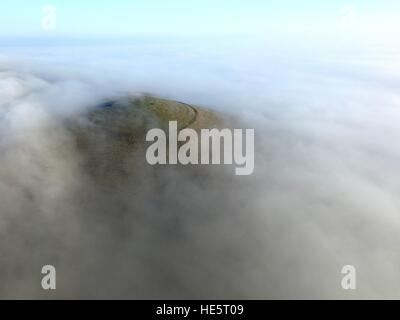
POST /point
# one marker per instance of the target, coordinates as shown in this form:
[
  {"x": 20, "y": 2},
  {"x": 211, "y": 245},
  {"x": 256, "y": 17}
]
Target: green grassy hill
[{"x": 110, "y": 133}]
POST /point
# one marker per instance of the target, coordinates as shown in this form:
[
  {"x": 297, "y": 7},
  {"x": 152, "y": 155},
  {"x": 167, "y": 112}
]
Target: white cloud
[{"x": 324, "y": 193}]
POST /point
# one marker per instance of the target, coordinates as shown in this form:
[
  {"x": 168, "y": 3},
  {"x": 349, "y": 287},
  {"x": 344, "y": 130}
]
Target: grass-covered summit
[{"x": 110, "y": 132}]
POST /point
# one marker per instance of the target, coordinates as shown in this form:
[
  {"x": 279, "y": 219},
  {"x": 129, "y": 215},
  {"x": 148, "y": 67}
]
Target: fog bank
[{"x": 324, "y": 192}]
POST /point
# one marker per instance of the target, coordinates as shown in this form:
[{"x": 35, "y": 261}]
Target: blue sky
[{"x": 124, "y": 17}]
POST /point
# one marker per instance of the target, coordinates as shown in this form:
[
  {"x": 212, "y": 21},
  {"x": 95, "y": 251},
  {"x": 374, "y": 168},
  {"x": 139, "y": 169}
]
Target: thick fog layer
[{"x": 324, "y": 194}]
